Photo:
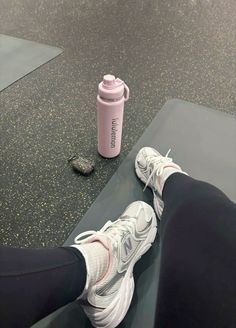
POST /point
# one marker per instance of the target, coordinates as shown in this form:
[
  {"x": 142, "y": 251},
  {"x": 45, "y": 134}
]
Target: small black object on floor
[{"x": 81, "y": 165}]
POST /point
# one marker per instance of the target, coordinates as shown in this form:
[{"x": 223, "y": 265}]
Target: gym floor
[{"x": 162, "y": 49}]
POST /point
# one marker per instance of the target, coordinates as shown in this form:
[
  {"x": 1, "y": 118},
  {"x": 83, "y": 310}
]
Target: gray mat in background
[
  {"x": 19, "y": 57},
  {"x": 203, "y": 143}
]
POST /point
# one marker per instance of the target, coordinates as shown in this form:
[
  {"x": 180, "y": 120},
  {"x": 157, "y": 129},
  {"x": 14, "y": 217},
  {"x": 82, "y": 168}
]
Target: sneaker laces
[
  {"x": 159, "y": 163},
  {"x": 113, "y": 230}
]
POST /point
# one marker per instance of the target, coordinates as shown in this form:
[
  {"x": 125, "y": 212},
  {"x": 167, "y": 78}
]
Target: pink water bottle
[{"x": 112, "y": 94}]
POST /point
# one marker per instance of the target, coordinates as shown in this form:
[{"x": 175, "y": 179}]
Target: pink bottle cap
[
  {"x": 111, "y": 88},
  {"x": 108, "y": 81}
]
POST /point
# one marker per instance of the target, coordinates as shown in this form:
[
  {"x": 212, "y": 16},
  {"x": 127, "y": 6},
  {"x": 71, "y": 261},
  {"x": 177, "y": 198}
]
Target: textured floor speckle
[{"x": 162, "y": 49}]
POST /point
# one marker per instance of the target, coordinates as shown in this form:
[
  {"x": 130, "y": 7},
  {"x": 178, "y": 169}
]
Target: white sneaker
[
  {"x": 127, "y": 239},
  {"x": 149, "y": 167}
]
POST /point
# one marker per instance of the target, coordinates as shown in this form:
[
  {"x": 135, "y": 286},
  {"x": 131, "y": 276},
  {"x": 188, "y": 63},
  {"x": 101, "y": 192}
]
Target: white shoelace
[
  {"x": 117, "y": 228},
  {"x": 158, "y": 163}
]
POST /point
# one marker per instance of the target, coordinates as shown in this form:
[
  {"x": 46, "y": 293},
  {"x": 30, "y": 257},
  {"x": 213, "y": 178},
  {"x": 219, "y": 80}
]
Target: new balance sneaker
[
  {"x": 154, "y": 169},
  {"x": 107, "y": 301}
]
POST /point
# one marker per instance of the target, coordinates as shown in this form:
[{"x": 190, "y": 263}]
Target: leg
[
  {"x": 197, "y": 285},
  {"x": 98, "y": 268},
  {"x": 34, "y": 283}
]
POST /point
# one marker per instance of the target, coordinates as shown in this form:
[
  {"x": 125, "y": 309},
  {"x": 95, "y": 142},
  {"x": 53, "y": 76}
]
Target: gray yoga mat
[
  {"x": 19, "y": 57},
  {"x": 203, "y": 143}
]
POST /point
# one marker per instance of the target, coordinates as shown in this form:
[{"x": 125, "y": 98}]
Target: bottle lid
[
  {"x": 108, "y": 81},
  {"x": 112, "y": 88}
]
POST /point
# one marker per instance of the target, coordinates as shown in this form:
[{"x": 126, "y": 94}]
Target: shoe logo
[{"x": 127, "y": 246}]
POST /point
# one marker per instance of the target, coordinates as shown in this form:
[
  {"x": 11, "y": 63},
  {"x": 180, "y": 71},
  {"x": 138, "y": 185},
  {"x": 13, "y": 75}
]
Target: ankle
[
  {"x": 97, "y": 261},
  {"x": 168, "y": 171}
]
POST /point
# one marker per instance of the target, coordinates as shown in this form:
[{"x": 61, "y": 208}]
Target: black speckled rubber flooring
[{"x": 162, "y": 49}]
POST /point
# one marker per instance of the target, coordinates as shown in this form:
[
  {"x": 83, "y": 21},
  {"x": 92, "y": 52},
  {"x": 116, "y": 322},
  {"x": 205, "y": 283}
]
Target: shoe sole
[
  {"x": 142, "y": 178},
  {"x": 116, "y": 311}
]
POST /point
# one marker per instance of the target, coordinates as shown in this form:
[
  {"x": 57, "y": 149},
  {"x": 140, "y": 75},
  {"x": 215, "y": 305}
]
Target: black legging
[
  {"x": 36, "y": 282},
  {"x": 197, "y": 285}
]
